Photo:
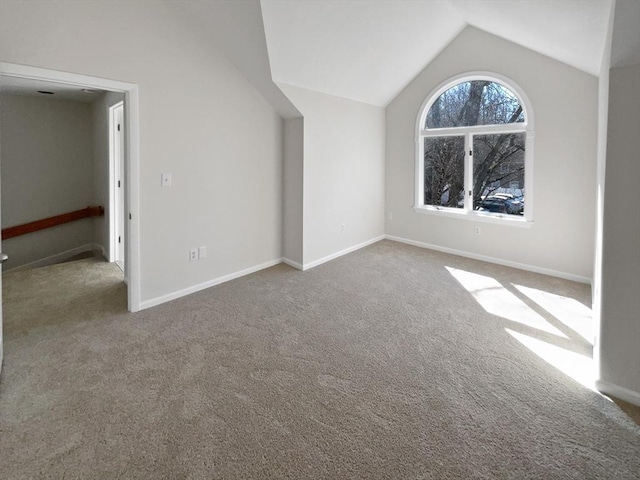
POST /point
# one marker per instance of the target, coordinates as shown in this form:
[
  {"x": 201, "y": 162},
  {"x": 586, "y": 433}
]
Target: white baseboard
[
  {"x": 217, "y": 281},
  {"x": 498, "y": 261},
  {"x": 208, "y": 284},
  {"x": 293, "y": 264},
  {"x": 58, "y": 257},
  {"x": 618, "y": 392},
  {"x": 333, "y": 256}
]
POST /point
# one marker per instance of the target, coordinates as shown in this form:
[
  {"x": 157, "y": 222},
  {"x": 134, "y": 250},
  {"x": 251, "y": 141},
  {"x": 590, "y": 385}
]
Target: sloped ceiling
[
  {"x": 236, "y": 28},
  {"x": 362, "y": 50},
  {"x": 369, "y": 50}
]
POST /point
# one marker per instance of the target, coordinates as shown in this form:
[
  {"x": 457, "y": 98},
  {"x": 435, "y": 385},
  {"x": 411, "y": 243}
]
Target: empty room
[{"x": 320, "y": 239}]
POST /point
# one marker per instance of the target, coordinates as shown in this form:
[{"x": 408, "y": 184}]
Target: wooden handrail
[{"x": 30, "y": 227}]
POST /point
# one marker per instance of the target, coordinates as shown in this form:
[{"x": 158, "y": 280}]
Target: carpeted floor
[{"x": 377, "y": 365}]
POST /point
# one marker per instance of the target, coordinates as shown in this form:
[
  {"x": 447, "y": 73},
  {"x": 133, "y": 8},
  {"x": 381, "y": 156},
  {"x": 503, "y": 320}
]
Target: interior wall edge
[
  {"x": 293, "y": 264},
  {"x": 333, "y": 256}
]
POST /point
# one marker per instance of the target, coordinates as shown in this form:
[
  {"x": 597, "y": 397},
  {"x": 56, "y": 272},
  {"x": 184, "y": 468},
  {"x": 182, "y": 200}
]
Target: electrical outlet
[
  {"x": 476, "y": 230},
  {"x": 193, "y": 254},
  {"x": 202, "y": 252},
  {"x": 342, "y": 227}
]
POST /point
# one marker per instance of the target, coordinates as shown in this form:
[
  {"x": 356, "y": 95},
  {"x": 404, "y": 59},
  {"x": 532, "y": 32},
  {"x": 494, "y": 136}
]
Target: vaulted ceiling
[{"x": 369, "y": 50}]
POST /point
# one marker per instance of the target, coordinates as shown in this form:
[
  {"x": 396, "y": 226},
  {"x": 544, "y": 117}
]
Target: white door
[{"x": 118, "y": 148}]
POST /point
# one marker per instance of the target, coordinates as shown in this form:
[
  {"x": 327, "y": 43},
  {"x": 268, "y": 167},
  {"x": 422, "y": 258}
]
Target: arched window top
[
  {"x": 474, "y": 150},
  {"x": 475, "y": 102}
]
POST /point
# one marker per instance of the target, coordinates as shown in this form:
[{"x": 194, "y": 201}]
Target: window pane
[
  {"x": 498, "y": 173},
  {"x": 478, "y": 102},
  {"x": 444, "y": 171}
]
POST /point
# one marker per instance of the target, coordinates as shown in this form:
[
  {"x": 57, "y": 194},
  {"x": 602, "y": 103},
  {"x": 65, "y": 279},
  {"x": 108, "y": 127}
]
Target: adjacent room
[{"x": 358, "y": 239}]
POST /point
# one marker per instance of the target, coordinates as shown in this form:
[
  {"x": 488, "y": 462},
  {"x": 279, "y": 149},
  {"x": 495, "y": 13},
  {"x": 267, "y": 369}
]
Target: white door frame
[
  {"x": 116, "y": 188},
  {"x": 131, "y": 158}
]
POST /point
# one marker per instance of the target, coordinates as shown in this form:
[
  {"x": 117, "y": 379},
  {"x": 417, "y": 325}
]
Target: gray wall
[
  {"x": 620, "y": 314},
  {"x": 564, "y": 99},
  {"x": 47, "y": 169}
]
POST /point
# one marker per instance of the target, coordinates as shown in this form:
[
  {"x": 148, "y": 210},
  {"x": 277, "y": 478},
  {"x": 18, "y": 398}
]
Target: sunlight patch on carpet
[
  {"x": 569, "y": 311},
  {"x": 497, "y": 300},
  {"x": 578, "y": 367}
]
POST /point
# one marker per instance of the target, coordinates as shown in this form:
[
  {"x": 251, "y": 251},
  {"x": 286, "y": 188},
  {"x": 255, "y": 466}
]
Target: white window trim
[{"x": 526, "y": 127}]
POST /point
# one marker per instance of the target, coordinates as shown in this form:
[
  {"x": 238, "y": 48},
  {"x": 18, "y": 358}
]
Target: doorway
[{"x": 129, "y": 163}]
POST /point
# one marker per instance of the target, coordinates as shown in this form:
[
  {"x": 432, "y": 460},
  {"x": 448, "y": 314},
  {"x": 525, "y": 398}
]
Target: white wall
[
  {"x": 565, "y": 107},
  {"x": 199, "y": 120},
  {"x": 293, "y": 201},
  {"x": 47, "y": 170},
  {"x": 620, "y": 301},
  {"x": 101, "y": 159},
  {"x": 343, "y": 172}
]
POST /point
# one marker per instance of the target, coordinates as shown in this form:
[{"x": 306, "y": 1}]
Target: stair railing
[{"x": 54, "y": 221}]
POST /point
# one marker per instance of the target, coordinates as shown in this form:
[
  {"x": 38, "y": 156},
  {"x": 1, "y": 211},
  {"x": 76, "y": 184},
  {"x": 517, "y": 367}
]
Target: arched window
[{"x": 474, "y": 150}]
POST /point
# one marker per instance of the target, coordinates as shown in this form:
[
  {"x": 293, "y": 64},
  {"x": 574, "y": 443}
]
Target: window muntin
[{"x": 489, "y": 175}]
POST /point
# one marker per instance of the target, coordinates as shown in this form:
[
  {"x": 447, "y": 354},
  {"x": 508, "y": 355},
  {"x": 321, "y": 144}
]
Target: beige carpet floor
[{"x": 383, "y": 364}]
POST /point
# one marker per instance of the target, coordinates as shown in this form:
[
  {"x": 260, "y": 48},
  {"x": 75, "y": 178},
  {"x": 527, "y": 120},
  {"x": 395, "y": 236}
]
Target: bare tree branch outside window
[{"x": 498, "y": 159}]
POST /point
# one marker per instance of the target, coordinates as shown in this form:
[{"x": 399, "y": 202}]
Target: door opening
[{"x": 129, "y": 165}]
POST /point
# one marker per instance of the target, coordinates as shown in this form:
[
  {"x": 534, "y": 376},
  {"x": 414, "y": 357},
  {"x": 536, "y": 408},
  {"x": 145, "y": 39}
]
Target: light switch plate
[{"x": 165, "y": 179}]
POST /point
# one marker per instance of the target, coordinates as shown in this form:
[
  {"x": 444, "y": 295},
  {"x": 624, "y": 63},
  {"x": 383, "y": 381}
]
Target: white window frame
[{"x": 421, "y": 132}]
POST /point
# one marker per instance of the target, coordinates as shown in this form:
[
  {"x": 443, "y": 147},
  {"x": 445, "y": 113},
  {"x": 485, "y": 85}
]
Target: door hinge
[
  {"x": 470, "y": 192},
  {"x": 118, "y": 127},
  {"x": 129, "y": 216},
  {"x": 119, "y": 239},
  {"x": 471, "y": 153},
  {"x": 118, "y": 183}
]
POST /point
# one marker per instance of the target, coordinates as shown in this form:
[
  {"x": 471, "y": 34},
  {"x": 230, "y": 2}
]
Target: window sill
[{"x": 495, "y": 218}]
